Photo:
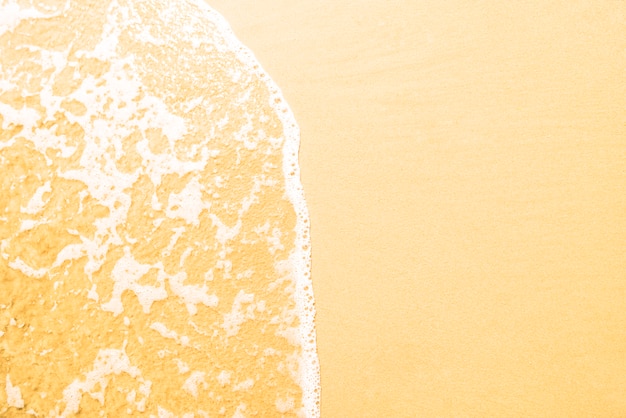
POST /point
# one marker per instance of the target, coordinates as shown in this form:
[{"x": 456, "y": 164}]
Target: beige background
[{"x": 465, "y": 169}]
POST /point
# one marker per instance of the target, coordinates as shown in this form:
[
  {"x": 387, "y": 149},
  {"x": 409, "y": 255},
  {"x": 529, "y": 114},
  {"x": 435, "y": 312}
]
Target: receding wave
[{"x": 154, "y": 247}]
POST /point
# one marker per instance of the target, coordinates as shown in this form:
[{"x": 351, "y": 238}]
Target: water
[{"x": 154, "y": 247}]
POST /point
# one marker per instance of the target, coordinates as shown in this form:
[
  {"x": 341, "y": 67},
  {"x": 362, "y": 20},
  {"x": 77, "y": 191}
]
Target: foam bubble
[{"x": 14, "y": 394}]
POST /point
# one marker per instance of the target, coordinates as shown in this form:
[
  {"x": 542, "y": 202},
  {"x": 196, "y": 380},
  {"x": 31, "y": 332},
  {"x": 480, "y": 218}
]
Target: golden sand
[{"x": 464, "y": 166}]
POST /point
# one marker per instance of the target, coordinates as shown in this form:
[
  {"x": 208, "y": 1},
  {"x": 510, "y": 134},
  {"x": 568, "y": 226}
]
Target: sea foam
[{"x": 153, "y": 230}]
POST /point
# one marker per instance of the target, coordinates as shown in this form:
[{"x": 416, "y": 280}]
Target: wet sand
[
  {"x": 154, "y": 246},
  {"x": 464, "y": 170}
]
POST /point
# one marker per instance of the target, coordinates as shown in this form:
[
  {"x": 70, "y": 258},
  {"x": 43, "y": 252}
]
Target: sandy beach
[{"x": 463, "y": 164}]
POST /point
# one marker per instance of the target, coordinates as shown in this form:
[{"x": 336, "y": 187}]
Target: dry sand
[{"x": 464, "y": 166}]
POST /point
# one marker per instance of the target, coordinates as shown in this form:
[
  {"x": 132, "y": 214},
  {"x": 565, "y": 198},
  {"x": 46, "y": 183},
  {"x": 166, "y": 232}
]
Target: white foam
[
  {"x": 165, "y": 332},
  {"x": 239, "y": 412},
  {"x": 309, "y": 373},
  {"x": 239, "y": 314},
  {"x": 69, "y": 252},
  {"x": 182, "y": 366},
  {"x": 224, "y": 232},
  {"x": 36, "y": 203},
  {"x": 192, "y": 383},
  {"x": 284, "y": 405},
  {"x": 14, "y": 394},
  {"x": 11, "y": 14},
  {"x": 192, "y": 294},
  {"x": 108, "y": 361},
  {"x": 187, "y": 204},
  {"x": 224, "y": 377},
  {"x": 244, "y": 385},
  {"x": 164, "y": 413},
  {"x": 20, "y": 265},
  {"x": 125, "y": 274},
  {"x": 25, "y": 117}
]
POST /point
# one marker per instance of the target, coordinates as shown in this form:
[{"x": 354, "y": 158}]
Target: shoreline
[{"x": 462, "y": 169}]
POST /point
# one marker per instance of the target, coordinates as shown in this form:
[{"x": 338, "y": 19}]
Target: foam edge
[{"x": 301, "y": 258}]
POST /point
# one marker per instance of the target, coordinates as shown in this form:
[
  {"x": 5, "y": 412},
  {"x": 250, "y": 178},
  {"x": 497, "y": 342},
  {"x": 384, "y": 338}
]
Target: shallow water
[{"x": 154, "y": 248}]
